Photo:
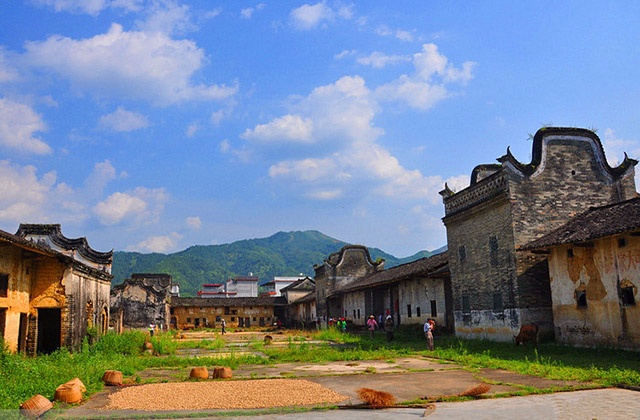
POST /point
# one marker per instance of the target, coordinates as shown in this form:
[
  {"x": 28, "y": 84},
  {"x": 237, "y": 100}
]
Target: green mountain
[{"x": 283, "y": 254}]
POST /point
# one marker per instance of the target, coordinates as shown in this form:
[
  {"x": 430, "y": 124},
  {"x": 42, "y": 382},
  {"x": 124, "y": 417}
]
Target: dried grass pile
[
  {"x": 376, "y": 398},
  {"x": 475, "y": 391}
]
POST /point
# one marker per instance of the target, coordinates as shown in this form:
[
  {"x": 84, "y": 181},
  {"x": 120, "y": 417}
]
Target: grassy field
[{"x": 22, "y": 377}]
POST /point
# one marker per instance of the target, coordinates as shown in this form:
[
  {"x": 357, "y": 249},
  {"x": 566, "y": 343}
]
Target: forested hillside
[{"x": 283, "y": 254}]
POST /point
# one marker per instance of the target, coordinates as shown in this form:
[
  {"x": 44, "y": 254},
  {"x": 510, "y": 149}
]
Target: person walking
[
  {"x": 224, "y": 326},
  {"x": 428, "y": 332},
  {"x": 372, "y": 325},
  {"x": 388, "y": 327}
]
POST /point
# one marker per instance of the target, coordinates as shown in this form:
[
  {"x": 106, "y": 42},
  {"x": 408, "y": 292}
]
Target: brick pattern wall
[{"x": 489, "y": 220}]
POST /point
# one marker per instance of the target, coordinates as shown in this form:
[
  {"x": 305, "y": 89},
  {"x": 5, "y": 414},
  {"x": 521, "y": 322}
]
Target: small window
[
  {"x": 418, "y": 312},
  {"x": 570, "y": 253},
  {"x": 188, "y": 320},
  {"x": 622, "y": 242},
  {"x": 434, "y": 309},
  {"x": 409, "y": 311},
  {"x": 627, "y": 294},
  {"x": 358, "y": 313},
  {"x": 462, "y": 253},
  {"x": 354, "y": 313},
  {"x": 497, "y": 302},
  {"x": 493, "y": 250},
  {"x": 466, "y": 304},
  {"x": 581, "y": 298},
  {"x": 4, "y": 285}
]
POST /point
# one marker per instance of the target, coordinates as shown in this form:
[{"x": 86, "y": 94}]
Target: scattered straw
[
  {"x": 376, "y": 398},
  {"x": 474, "y": 391}
]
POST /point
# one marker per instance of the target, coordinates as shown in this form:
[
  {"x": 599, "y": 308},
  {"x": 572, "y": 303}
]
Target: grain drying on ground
[{"x": 260, "y": 393}]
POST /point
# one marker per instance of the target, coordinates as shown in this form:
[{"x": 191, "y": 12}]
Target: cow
[{"x": 527, "y": 333}]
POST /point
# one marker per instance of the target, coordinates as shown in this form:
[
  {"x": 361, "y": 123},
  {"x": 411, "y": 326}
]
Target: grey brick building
[{"x": 497, "y": 288}]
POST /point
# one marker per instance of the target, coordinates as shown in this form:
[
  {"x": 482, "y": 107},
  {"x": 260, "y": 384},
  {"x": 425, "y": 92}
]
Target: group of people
[{"x": 428, "y": 328}]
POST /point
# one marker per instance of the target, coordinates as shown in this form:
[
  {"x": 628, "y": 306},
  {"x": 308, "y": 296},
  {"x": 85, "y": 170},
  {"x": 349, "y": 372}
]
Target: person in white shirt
[{"x": 428, "y": 332}]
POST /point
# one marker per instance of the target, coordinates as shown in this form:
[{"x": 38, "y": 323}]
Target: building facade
[
  {"x": 496, "y": 289},
  {"x": 594, "y": 267},
  {"x": 54, "y": 291},
  {"x": 189, "y": 313},
  {"x": 141, "y": 301},
  {"x": 341, "y": 268}
]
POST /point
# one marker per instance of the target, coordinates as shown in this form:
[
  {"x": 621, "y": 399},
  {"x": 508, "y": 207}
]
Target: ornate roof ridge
[
  {"x": 54, "y": 232},
  {"x": 543, "y": 133}
]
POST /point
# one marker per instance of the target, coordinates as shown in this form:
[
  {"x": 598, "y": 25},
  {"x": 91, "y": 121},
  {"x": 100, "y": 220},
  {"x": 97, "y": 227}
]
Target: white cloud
[
  {"x": 378, "y": 60},
  {"x": 247, "y": 12},
  {"x": 7, "y": 72},
  {"x": 119, "y": 206},
  {"x": 309, "y": 16},
  {"x": 91, "y": 7},
  {"x": 400, "y": 34},
  {"x": 142, "y": 205},
  {"x": 194, "y": 222},
  {"x": 161, "y": 244},
  {"x": 23, "y": 196},
  {"x": 342, "y": 114},
  {"x": 428, "y": 84},
  {"x": 18, "y": 124},
  {"x": 122, "y": 120},
  {"x": 167, "y": 17},
  {"x": 102, "y": 174},
  {"x": 192, "y": 129},
  {"x": 133, "y": 65},
  {"x": 287, "y": 128}
]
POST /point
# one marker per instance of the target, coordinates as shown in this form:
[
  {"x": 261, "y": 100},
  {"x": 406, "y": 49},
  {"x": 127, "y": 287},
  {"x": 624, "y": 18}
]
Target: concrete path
[{"x": 600, "y": 404}]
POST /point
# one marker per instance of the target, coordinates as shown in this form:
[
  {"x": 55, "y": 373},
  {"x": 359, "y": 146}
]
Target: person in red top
[{"x": 372, "y": 325}]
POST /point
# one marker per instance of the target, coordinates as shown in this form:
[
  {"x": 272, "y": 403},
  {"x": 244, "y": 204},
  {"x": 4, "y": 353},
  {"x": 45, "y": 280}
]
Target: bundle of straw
[
  {"x": 476, "y": 390},
  {"x": 376, "y": 398}
]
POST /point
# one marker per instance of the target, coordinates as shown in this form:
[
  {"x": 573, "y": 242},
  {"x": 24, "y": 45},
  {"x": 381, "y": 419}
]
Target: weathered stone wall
[
  {"x": 354, "y": 306},
  {"x": 142, "y": 300},
  {"x": 601, "y": 272},
  {"x": 87, "y": 300},
  {"x": 495, "y": 288},
  {"x": 483, "y": 265},
  {"x": 571, "y": 179},
  {"x": 419, "y": 293},
  {"x": 17, "y": 300},
  {"x": 352, "y": 262}
]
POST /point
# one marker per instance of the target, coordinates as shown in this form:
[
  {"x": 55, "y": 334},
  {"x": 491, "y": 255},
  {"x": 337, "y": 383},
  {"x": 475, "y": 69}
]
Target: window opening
[{"x": 497, "y": 302}]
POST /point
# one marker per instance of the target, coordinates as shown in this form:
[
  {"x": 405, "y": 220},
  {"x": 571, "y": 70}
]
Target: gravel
[{"x": 261, "y": 393}]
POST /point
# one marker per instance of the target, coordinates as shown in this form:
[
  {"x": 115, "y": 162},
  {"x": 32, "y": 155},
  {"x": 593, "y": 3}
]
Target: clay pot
[
  {"x": 112, "y": 377},
  {"x": 222, "y": 373},
  {"x": 268, "y": 339},
  {"x": 35, "y": 406},
  {"x": 68, "y": 393},
  {"x": 199, "y": 373}
]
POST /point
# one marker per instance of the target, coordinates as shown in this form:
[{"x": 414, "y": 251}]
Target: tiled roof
[
  {"x": 435, "y": 264},
  {"x": 234, "y": 301},
  {"x": 597, "y": 222}
]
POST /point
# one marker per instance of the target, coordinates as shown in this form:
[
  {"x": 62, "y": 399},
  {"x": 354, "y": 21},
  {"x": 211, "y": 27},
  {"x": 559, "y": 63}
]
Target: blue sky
[{"x": 153, "y": 126}]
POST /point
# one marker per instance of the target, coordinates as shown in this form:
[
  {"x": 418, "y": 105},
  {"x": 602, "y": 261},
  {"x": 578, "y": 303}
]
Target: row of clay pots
[
  {"x": 218, "y": 373},
  {"x": 69, "y": 392}
]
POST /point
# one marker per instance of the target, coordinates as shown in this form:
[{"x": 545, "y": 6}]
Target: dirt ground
[{"x": 304, "y": 384}]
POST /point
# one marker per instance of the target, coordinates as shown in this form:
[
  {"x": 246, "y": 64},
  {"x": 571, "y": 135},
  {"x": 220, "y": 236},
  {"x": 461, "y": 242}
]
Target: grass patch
[{"x": 22, "y": 377}]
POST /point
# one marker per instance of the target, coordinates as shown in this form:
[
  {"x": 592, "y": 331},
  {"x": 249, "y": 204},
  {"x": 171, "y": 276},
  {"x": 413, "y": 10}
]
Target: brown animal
[{"x": 527, "y": 333}]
